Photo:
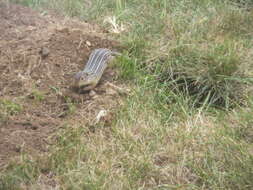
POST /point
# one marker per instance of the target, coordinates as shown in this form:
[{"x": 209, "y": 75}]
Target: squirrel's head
[{"x": 83, "y": 80}]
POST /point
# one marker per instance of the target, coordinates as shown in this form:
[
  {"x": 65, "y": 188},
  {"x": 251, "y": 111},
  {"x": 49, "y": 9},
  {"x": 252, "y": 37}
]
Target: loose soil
[{"x": 38, "y": 57}]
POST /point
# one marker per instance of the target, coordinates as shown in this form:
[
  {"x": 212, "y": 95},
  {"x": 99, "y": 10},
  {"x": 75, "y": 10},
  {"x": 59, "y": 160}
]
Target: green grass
[
  {"x": 8, "y": 108},
  {"x": 188, "y": 124},
  {"x": 37, "y": 95}
]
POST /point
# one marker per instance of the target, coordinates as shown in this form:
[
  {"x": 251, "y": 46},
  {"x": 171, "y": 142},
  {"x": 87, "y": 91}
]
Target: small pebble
[
  {"x": 44, "y": 52},
  {"x": 92, "y": 93},
  {"x": 88, "y": 43}
]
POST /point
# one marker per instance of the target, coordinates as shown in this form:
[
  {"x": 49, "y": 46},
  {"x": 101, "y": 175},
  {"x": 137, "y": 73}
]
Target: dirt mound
[{"x": 38, "y": 57}]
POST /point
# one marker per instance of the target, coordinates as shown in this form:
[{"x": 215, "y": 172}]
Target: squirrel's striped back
[
  {"x": 93, "y": 70},
  {"x": 97, "y": 61}
]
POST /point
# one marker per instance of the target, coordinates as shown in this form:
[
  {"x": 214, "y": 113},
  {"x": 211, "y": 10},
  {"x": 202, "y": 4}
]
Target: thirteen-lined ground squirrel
[{"x": 93, "y": 71}]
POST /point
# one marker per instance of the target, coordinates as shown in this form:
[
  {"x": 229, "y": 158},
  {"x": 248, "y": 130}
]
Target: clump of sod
[{"x": 210, "y": 76}]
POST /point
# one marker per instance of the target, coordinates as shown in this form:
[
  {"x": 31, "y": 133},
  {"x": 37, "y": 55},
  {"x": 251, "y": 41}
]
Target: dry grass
[{"x": 159, "y": 139}]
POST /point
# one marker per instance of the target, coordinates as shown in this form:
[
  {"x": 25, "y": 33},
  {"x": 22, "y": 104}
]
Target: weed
[
  {"x": 37, "y": 95},
  {"x": 127, "y": 68},
  {"x": 204, "y": 74},
  {"x": 24, "y": 172},
  {"x": 10, "y": 107}
]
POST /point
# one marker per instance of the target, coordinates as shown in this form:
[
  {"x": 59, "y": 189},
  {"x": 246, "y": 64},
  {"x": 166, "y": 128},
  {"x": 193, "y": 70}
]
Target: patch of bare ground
[{"x": 38, "y": 57}]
